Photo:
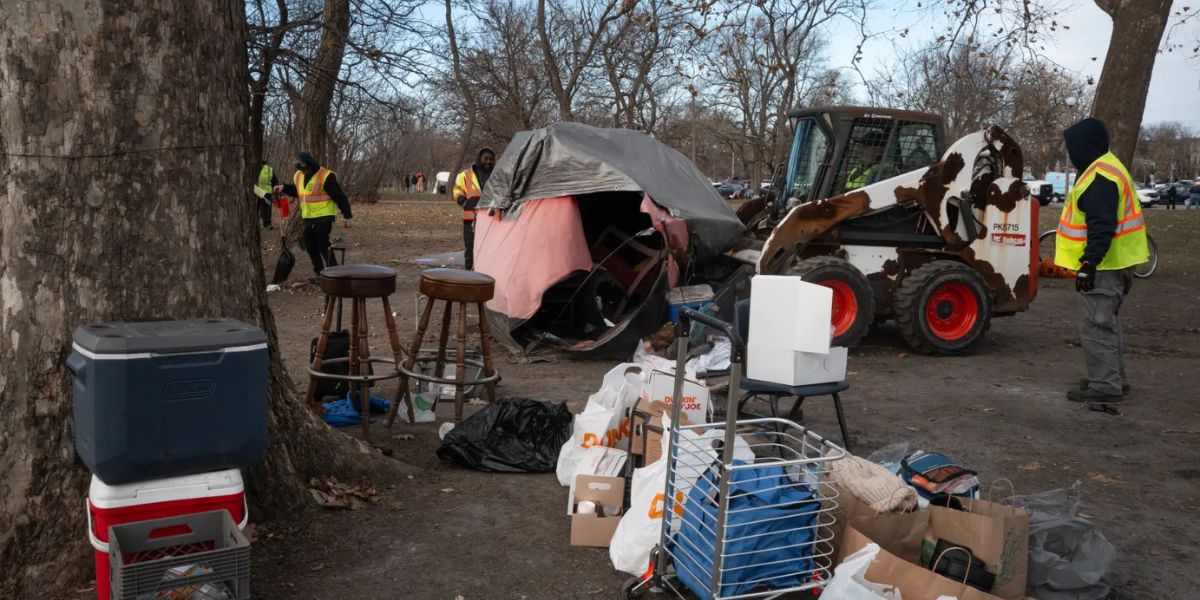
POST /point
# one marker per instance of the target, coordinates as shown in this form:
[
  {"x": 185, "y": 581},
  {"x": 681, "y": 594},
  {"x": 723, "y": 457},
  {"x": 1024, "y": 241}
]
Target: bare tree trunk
[
  {"x": 322, "y": 75},
  {"x": 124, "y": 199},
  {"x": 1138, "y": 26},
  {"x": 259, "y": 87},
  {"x": 468, "y": 95}
]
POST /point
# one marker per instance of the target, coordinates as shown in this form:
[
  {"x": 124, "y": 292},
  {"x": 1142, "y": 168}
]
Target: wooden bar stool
[
  {"x": 451, "y": 286},
  {"x": 357, "y": 283}
]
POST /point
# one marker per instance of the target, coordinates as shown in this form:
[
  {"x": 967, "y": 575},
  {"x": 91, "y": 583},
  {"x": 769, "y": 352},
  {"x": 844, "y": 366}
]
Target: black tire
[
  {"x": 844, "y": 278},
  {"x": 947, "y": 288}
]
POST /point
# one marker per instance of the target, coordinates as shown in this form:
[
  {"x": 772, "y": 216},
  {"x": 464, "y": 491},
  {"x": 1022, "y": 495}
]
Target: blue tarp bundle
[
  {"x": 341, "y": 413},
  {"x": 769, "y": 532}
]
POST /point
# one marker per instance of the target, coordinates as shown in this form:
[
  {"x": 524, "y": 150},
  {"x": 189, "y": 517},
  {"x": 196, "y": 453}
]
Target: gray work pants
[{"x": 1100, "y": 331}]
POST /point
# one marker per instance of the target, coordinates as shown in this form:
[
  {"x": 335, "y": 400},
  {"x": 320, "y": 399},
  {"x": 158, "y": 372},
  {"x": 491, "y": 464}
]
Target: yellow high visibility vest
[
  {"x": 859, "y": 176},
  {"x": 1129, "y": 245},
  {"x": 264, "y": 178},
  {"x": 314, "y": 202},
  {"x": 467, "y": 186}
]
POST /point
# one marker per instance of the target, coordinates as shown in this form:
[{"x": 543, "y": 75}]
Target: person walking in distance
[
  {"x": 321, "y": 197},
  {"x": 468, "y": 186},
  {"x": 406, "y": 183},
  {"x": 1101, "y": 236},
  {"x": 266, "y": 183},
  {"x": 1172, "y": 197}
]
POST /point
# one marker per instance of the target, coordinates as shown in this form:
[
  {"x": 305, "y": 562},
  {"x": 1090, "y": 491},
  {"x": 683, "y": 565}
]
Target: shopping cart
[{"x": 748, "y": 506}]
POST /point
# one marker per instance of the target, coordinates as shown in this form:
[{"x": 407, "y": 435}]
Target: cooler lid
[
  {"x": 187, "y": 487},
  {"x": 167, "y": 337}
]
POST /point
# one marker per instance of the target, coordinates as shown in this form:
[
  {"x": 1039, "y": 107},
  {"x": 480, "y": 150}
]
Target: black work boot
[
  {"x": 1083, "y": 385},
  {"x": 1092, "y": 396}
]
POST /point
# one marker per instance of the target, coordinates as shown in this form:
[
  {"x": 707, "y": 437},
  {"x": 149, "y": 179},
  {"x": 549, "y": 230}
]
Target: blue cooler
[
  {"x": 692, "y": 296},
  {"x": 158, "y": 399}
]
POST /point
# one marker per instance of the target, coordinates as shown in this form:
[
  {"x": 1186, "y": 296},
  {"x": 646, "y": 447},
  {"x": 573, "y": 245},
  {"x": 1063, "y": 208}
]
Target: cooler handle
[
  {"x": 76, "y": 364},
  {"x": 103, "y": 546}
]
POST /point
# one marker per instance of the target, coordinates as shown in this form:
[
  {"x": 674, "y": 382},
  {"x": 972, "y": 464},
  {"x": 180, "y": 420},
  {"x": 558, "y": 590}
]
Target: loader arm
[{"x": 951, "y": 196}]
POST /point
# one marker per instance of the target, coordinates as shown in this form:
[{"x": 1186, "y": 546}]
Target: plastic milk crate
[{"x": 200, "y": 556}]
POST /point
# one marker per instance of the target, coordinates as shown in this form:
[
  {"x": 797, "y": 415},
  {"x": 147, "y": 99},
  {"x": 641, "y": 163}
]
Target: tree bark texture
[
  {"x": 321, "y": 79},
  {"x": 1138, "y": 26},
  {"x": 123, "y": 141}
]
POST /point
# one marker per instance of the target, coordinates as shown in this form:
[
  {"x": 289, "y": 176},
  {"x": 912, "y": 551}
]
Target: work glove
[{"x": 1085, "y": 278}]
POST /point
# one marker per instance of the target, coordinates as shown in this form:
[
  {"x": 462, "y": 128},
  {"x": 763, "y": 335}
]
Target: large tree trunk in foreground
[
  {"x": 1121, "y": 94},
  {"x": 123, "y": 136},
  {"x": 321, "y": 80}
]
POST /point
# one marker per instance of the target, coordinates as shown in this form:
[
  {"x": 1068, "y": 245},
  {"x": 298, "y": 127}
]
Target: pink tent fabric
[{"x": 528, "y": 255}]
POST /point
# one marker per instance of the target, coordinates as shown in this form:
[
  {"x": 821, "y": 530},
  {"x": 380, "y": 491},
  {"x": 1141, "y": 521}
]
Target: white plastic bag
[
  {"x": 603, "y": 421},
  {"x": 641, "y": 527},
  {"x": 849, "y": 580}
]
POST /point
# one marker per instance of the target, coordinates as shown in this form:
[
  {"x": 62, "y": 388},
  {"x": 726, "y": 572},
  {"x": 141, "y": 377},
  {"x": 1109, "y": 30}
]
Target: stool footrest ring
[{"x": 419, "y": 376}]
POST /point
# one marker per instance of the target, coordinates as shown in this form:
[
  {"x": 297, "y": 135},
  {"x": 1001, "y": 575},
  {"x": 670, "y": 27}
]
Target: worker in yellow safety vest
[
  {"x": 266, "y": 183},
  {"x": 321, "y": 197},
  {"x": 468, "y": 187},
  {"x": 1101, "y": 236},
  {"x": 870, "y": 152}
]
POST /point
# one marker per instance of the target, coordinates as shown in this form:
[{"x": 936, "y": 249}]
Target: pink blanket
[{"x": 528, "y": 255}]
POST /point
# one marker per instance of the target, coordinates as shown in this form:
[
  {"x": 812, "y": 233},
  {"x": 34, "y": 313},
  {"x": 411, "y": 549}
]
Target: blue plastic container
[
  {"x": 692, "y": 296},
  {"x": 162, "y": 399}
]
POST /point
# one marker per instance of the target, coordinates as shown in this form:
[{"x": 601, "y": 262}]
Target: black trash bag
[{"x": 510, "y": 435}]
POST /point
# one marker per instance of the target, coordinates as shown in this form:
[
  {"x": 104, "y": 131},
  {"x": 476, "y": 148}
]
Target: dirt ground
[{"x": 449, "y": 532}]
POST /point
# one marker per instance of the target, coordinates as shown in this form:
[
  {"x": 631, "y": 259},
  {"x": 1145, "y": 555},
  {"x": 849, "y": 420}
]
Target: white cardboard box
[
  {"x": 795, "y": 368},
  {"x": 660, "y": 387},
  {"x": 788, "y": 313}
]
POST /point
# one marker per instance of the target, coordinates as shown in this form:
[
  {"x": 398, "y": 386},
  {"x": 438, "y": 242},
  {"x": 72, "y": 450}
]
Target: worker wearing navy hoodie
[
  {"x": 320, "y": 198},
  {"x": 1101, "y": 235}
]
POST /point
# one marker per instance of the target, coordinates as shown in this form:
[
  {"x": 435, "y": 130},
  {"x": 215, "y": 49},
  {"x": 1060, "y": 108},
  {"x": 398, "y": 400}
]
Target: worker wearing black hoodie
[
  {"x": 320, "y": 198},
  {"x": 468, "y": 187},
  {"x": 1101, "y": 235}
]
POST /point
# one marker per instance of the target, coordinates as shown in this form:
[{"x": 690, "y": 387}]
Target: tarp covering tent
[
  {"x": 571, "y": 159},
  {"x": 584, "y": 229}
]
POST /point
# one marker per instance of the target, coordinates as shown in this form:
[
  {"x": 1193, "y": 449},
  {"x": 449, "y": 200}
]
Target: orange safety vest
[
  {"x": 467, "y": 186},
  {"x": 1129, "y": 246}
]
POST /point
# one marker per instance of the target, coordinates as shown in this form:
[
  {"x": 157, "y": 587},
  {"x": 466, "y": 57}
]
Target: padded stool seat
[
  {"x": 358, "y": 281},
  {"x": 457, "y": 285}
]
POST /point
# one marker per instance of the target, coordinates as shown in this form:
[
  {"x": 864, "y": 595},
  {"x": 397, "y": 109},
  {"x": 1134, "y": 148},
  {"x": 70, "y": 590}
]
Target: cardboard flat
[
  {"x": 788, "y": 313},
  {"x": 650, "y": 414},
  {"x": 795, "y": 368},
  {"x": 596, "y": 530}
]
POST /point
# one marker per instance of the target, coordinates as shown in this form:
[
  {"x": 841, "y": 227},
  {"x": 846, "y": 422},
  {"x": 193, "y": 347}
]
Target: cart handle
[{"x": 736, "y": 345}]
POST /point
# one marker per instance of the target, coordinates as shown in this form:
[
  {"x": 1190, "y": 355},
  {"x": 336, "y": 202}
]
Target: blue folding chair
[{"x": 752, "y": 388}]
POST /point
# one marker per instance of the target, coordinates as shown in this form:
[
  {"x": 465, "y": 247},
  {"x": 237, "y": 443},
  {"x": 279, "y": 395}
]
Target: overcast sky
[{"x": 1174, "y": 88}]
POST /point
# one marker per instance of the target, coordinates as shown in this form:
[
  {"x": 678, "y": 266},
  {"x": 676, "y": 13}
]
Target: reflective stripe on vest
[
  {"x": 1129, "y": 246},
  {"x": 314, "y": 202},
  {"x": 467, "y": 186}
]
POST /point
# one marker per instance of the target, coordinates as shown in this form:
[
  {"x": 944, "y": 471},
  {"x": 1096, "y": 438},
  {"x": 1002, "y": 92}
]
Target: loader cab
[{"x": 842, "y": 148}]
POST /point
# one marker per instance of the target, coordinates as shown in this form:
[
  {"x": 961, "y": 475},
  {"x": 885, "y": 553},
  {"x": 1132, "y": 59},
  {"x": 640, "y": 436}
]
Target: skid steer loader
[{"x": 872, "y": 204}]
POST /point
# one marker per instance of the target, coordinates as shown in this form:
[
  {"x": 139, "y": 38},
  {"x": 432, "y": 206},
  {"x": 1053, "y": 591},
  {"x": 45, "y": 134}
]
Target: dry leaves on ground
[
  {"x": 404, "y": 436},
  {"x": 331, "y": 493},
  {"x": 1031, "y": 466},
  {"x": 1105, "y": 479}
]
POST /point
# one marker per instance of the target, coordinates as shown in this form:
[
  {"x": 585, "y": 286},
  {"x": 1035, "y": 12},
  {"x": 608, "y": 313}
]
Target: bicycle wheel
[
  {"x": 1046, "y": 244},
  {"x": 1147, "y": 268}
]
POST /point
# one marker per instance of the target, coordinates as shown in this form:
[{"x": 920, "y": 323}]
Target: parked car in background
[
  {"x": 1194, "y": 196},
  {"x": 1147, "y": 195},
  {"x": 1062, "y": 183},
  {"x": 1042, "y": 190}
]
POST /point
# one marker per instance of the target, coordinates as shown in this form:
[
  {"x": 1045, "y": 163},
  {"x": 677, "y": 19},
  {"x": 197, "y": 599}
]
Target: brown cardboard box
[
  {"x": 596, "y": 529},
  {"x": 650, "y": 413}
]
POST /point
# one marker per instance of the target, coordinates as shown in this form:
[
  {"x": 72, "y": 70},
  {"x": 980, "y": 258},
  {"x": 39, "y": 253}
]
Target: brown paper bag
[
  {"x": 997, "y": 534},
  {"x": 914, "y": 582},
  {"x": 901, "y": 534}
]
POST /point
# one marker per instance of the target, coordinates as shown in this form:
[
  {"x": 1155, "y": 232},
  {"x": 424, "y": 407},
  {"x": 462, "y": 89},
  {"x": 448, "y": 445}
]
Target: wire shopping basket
[{"x": 749, "y": 504}]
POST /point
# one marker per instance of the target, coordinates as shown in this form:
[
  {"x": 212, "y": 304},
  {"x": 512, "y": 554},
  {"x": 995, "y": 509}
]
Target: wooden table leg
[
  {"x": 460, "y": 361},
  {"x": 486, "y": 345},
  {"x": 408, "y": 364},
  {"x": 397, "y": 355},
  {"x": 364, "y": 364},
  {"x": 319, "y": 356},
  {"x": 352, "y": 364},
  {"x": 440, "y": 364}
]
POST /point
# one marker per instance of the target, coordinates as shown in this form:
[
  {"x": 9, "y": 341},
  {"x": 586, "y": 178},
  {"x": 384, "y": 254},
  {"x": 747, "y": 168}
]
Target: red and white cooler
[{"x": 109, "y": 505}]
